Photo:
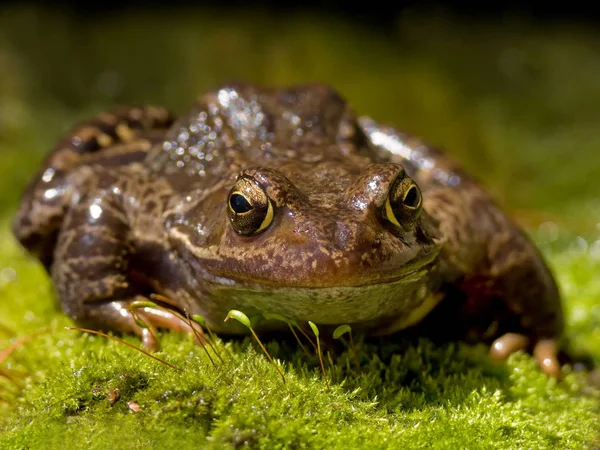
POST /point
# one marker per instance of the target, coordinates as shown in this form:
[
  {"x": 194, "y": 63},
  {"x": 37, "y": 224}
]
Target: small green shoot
[
  {"x": 121, "y": 341},
  {"x": 202, "y": 322},
  {"x": 339, "y": 332},
  {"x": 212, "y": 338},
  {"x": 316, "y": 332},
  {"x": 137, "y": 304},
  {"x": 133, "y": 309},
  {"x": 240, "y": 317},
  {"x": 201, "y": 339},
  {"x": 244, "y": 320},
  {"x": 294, "y": 323},
  {"x": 307, "y": 336},
  {"x": 144, "y": 303},
  {"x": 290, "y": 322}
]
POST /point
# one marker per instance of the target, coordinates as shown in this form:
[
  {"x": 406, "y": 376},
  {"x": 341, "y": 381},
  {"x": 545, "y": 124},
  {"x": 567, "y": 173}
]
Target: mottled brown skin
[{"x": 133, "y": 203}]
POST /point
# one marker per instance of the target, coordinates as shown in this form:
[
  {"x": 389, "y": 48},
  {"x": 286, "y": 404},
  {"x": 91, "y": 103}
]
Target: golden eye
[
  {"x": 404, "y": 201},
  {"x": 249, "y": 208}
]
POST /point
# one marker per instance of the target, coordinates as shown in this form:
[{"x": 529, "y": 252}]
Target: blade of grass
[
  {"x": 316, "y": 331},
  {"x": 121, "y": 341},
  {"x": 19, "y": 342},
  {"x": 200, "y": 339}
]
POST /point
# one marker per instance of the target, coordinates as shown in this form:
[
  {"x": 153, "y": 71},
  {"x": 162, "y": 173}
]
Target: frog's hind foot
[
  {"x": 508, "y": 344},
  {"x": 133, "y": 317},
  {"x": 545, "y": 351}
]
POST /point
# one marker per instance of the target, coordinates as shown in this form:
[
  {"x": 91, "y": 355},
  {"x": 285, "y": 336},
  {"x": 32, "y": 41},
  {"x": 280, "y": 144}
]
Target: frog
[{"x": 281, "y": 202}]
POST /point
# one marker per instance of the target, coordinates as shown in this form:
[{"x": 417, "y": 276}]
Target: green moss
[
  {"x": 519, "y": 108},
  {"x": 403, "y": 395}
]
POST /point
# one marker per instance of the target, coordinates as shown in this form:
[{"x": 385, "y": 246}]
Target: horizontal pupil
[{"x": 239, "y": 204}]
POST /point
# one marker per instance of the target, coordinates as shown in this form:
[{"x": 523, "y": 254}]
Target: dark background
[
  {"x": 376, "y": 13},
  {"x": 508, "y": 88}
]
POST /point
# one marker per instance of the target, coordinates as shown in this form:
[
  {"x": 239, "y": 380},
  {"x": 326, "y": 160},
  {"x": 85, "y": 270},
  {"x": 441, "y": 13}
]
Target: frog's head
[{"x": 325, "y": 242}]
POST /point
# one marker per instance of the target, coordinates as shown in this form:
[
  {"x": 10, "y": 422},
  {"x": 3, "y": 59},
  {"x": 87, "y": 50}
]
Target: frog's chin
[{"x": 401, "y": 299}]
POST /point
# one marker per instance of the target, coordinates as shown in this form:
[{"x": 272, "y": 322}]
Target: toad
[{"x": 281, "y": 201}]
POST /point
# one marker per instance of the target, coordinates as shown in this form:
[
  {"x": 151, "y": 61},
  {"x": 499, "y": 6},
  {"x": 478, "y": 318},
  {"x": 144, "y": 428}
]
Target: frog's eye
[
  {"x": 249, "y": 208},
  {"x": 404, "y": 201}
]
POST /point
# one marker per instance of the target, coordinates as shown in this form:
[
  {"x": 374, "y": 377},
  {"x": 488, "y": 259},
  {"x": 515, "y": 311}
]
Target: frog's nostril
[{"x": 355, "y": 238}]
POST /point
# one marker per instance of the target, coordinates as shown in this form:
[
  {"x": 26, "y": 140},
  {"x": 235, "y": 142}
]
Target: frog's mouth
[
  {"x": 249, "y": 275},
  {"x": 246, "y": 281},
  {"x": 401, "y": 298},
  {"x": 318, "y": 283}
]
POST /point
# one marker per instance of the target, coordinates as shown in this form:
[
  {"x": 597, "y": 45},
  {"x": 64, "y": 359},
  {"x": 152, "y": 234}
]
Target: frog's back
[{"x": 241, "y": 125}]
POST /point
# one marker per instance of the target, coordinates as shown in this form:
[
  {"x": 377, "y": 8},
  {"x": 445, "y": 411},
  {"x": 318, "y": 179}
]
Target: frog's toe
[
  {"x": 545, "y": 353},
  {"x": 149, "y": 339},
  {"x": 163, "y": 317},
  {"x": 508, "y": 344},
  {"x": 116, "y": 316},
  {"x": 121, "y": 317}
]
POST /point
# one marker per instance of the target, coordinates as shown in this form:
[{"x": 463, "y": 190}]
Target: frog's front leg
[
  {"x": 93, "y": 271},
  {"x": 528, "y": 291},
  {"x": 509, "y": 291}
]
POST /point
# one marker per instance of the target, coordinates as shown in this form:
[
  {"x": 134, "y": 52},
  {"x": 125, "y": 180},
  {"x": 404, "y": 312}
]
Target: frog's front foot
[
  {"x": 126, "y": 317},
  {"x": 94, "y": 270},
  {"x": 545, "y": 351}
]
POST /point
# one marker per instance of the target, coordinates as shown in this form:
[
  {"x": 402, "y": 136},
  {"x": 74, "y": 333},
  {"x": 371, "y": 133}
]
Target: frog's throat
[{"x": 395, "y": 304}]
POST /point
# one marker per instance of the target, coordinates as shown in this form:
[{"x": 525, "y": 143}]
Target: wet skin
[{"x": 281, "y": 201}]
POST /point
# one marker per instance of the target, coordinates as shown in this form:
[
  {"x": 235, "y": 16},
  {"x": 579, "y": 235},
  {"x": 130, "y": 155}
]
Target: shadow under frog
[{"x": 281, "y": 201}]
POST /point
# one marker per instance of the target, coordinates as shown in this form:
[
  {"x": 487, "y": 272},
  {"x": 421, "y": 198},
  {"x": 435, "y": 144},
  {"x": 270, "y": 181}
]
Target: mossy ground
[{"x": 518, "y": 105}]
